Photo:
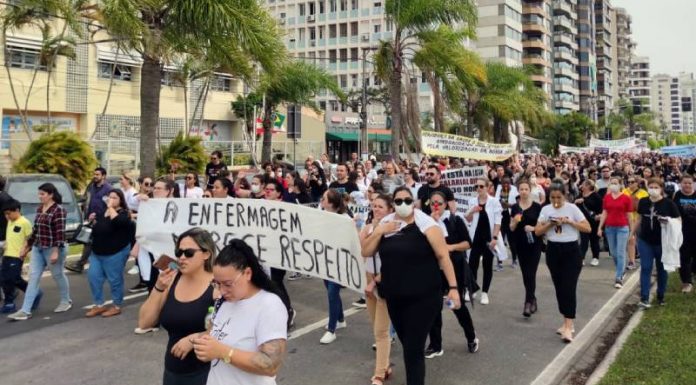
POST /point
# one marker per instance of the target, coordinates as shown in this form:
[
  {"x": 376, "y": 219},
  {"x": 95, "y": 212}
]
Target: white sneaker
[
  {"x": 595, "y": 262},
  {"x": 327, "y": 338},
  {"x": 466, "y": 297},
  {"x": 134, "y": 270},
  {"x": 63, "y": 307},
  {"x": 339, "y": 325},
  {"x": 484, "y": 299},
  {"x": 145, "y": 330}
]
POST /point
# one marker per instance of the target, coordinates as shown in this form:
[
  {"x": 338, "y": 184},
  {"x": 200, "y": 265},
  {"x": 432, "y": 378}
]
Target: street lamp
[{"x": 364, "y": 148}]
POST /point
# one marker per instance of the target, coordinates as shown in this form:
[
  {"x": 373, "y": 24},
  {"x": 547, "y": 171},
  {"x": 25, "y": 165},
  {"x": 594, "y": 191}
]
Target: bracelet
[
  {"x": 453, "y": 288},
  {"x": 158, "y": 289}
]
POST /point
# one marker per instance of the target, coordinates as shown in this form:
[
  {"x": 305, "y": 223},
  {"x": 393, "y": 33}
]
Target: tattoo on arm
[{"x": 270, "y": 356}]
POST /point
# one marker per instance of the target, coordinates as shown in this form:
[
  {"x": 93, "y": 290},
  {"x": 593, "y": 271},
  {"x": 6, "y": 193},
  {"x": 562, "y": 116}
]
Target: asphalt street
[{"x": 70, "y": 349}]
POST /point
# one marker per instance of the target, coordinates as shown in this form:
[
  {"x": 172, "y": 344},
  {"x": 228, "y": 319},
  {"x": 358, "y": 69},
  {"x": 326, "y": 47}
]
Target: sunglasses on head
[
  {"x": 188, "y": 253},
  {"x": 407, "y": 201}
]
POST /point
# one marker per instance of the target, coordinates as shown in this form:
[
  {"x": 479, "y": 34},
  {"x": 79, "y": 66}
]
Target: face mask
[
  {"x": 272, "y": 174},
  {"x": 255, "y": 188},
  {"x": 614, "y": 188},
  {"x": 404, "y": 210},
  {"x": 654, "y": 192}
]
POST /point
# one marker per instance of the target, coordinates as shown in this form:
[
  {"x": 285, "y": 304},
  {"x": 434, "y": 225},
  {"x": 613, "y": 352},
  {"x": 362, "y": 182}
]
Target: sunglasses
[
  {"x": 213, "y": 158},
  {"x": 436, "y": 203},
  {"x": 147, "y": 184},
  {"x": 189, "y": 178},
  {"x": 480, "y": 186},
  {"x": 407, "y": 201},
  {"x": 269, "y": 190},
  {"x": 188, "y": 253},
  {"x": 429, "y": 174}
]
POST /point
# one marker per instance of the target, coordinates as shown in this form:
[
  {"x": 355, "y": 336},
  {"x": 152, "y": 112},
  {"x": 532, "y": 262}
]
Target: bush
[
  {"x": 186, "y": 153},
  {"x": 63, "y": 153},
  {"x": 242, "y": 160}
]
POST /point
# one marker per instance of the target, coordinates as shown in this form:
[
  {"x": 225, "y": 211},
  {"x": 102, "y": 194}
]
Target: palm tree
[
  {"x": 415, "y": 23},
  {"x": 571, "y": 129},
  {"x": 232, "y": 33},
  {"x": 629, "y": 118},
  {"x": 295, "y": 83}
]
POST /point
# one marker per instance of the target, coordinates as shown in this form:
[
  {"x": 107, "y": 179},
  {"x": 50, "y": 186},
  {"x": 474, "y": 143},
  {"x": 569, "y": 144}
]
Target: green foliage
[
  {"x": 186, "y": 153},
  {"x": 655, "y": 144},
  {"x": 567, "y": 130},
  {"x": 242, "y": 160},
  {"x": 63, "y": 153}
]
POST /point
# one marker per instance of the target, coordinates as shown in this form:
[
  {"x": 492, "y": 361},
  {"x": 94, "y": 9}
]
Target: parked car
[{"x": 25, "y": 189}]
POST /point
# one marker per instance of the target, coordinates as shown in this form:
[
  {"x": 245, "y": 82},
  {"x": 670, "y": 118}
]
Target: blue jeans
[
  {"x": 648, "y": 253},
  {"x": 335, "y": 304},
  {"x": 617, "y": 237},
  {"x": 40, "y": 258},
  {"x": 107, "y": 267}
]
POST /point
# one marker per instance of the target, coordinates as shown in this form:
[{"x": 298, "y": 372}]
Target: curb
[{"x": 558, "y": 368}]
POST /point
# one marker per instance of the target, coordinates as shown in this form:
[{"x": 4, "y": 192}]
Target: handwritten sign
[
  {"x": 284, "y": 236},
  {"x": 440, "y": 144},
  {"x": 463, "y": 181},
  {"x": 613, "y": 145}
]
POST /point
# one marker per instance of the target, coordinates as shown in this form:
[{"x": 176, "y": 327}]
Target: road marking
[
  {"x": 109, "y": 302},
  {"x": 320, "y": 324}
]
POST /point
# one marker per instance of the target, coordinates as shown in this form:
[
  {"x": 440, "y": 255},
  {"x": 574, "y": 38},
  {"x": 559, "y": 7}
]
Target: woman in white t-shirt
[
  {"x": 562, "y": 222},
  {"x": 191, "y": 187},
  {"x": 247, "y": 340}
]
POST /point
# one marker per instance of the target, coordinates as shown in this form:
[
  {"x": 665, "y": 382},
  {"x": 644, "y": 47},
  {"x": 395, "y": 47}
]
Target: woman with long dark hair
[
  {"x": 191, "y": 187},
  {"x": 297, "y": 191},
  {"x": 223, "y": 188},
  {"x": 562, "y": 222},
  {"x": 590, "y": 204},
  {"x": 112, "y": 236},
  {"x": 48, "y": 248}
]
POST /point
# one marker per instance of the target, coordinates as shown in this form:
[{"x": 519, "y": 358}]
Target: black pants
[
  {"x": 196, "y": 378},
  {"x": 277, "y": 276},
  {"x": 565, "y": 263},
  {"x": 687, "y": 261},
  {"x": 507, "y": 235},
  {"x": 529, "y": 255},
  {"x": 476, "y": 252},
  {"x": 11, "y": 278},
  {"x": 591, "y": 241},
  {"x": 412, "y": 319}
]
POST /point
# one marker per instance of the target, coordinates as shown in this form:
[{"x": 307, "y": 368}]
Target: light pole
[{"x": 364, "y": 147}]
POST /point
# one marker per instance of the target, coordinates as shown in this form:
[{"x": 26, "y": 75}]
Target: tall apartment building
[
  {"x": 499, "y": 31},
  {"x": 687, "y": 85},
  {"x": 536, "y": 41},
  {"x": 640, "y": 82},
  {"x": 625, "y": 47},
  {"x": 565, "y": 56},
  {"x": 587, "y": 58},
  {"x": 605, "y": 45},
  {"x": 666, "y": 102}
]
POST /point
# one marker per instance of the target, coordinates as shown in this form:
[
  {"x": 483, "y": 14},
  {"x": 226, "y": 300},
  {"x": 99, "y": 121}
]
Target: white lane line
[
  {"x": 320, "y": 324},
  {"x": 109, "y": 302}
]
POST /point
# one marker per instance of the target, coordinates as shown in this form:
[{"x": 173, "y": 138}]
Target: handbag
[{"x": 84, "y": 236}]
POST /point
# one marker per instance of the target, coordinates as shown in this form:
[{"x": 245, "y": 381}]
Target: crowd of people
[{"x": 420, "y": 255}]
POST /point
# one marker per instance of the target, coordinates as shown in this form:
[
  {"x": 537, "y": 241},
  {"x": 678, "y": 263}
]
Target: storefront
[{"x": 340, "y": 145}]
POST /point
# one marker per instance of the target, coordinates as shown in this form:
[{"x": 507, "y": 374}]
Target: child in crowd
[{"x": 18, "y": 231}]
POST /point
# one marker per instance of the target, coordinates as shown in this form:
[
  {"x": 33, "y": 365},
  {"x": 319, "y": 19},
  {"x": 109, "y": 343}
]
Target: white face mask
[
  {"x": 255, "y": 188},
  {"x": 404, "y": 210},
  {"x": 654, "y": 192},
  {"x": 614, "y": 187}
]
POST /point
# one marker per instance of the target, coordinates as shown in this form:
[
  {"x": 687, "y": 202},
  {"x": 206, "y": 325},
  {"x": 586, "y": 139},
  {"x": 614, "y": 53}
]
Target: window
[
  {"x": 169, "y": 79},
  {"x": 354, "y": 80},
  {"x": 390, "y": 25},
  {"x": 322, "y": 9},
  {"x": 322, "y": 105},
  {"x": 512, "y": 33},
  {"x": 354, "y": 4},
  {"x": 221, "y": 83},
  {"x": 301, "y": 9},
  {"x": 377, "y": 28},
  {"x": 25, "y": 58},
  {"x": 378, "y": 81},
  {"x": 511, "y": 13},
  {"x": 121, "y": 72},
  {"x": 344, "y": 5},
  {"x": 344, "y": 81},
  {"x": 332, "y": 6}
]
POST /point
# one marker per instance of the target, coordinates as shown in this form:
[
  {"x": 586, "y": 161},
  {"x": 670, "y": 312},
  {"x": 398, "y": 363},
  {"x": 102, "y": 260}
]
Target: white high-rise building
[
  {"x": 640, "y": 82},
  {"x": 687, "y": 85},
  {"x": 499, "y": 31},
  {"x": 666, "y": 102}
]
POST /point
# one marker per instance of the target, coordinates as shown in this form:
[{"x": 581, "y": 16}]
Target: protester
[
  {"x": 636, "y": 193},
  {"x": 483, "y": 219},
  {"x": 297, "y": 191},
  {"x": 653, "y": 212},
  {"x": 180, "y": 302},
  {"x": 411, "y": 179},
  {"x": 212, "y": 169},
  {"x": 223, "y": 188},
  {"x": 342, "y": 183},
  {"x": 247, "y": 342},
  {"x": 128, "y": 188},
  {"x": 458, "y": 242},
  {"x": 257, "y": 185},
  {"x": 17, "y": 233},
  {"x": 392, "y": 177},
  {"x": 591, "y": 206},
  {"x": 48, "y": 249},
  {"x": 242, "y": 187},
  {"x": 382, "y": 206},
  {"x": 538, "y": 193},
  {"x": 411, "y": 246},
  {"x": 333, "y": 202},
  {"x": 616, "y": 215},
  {"x": 507, "y": 195},
  {"x": 432, "y": 178},
  {"x": 524, "y": 217},
  {"x": 317, "y": 181},
  {"x": 685, "y": 199},
  {"x": 191, "y": 187},
  {"x": 561, "y": 222}
]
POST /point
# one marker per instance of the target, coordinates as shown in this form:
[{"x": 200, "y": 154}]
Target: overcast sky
[{"x": 665, "y": 31}]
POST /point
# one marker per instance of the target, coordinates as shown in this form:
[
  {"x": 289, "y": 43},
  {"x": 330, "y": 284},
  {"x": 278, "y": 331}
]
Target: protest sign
[
  {"x": 284, "y": 236},
  {"x": 576, "y": 150},
  {"x": 613, "y": 145},
  {"x": 440, "y": 144},
  {"x": 463, "y": 181},
  {"x": 684, "y": 151}
]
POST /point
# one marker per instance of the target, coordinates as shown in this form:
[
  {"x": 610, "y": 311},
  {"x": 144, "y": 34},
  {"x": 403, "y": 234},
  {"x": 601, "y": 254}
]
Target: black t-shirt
[
  {"x": 687, "y": 209},
  {"x": 426, "y": 191},
  {"x": 530, "y": 216},
  {"x": 4, "y": 198},
  {"x": 344, "y": 188},
  {"x": 110, "y": 236},
  {"x": 213, "y": 171},
  {"x": 649, "y": 211},
  {"x": 482, "y": 233},
  {"x": 591, "y": 207}
]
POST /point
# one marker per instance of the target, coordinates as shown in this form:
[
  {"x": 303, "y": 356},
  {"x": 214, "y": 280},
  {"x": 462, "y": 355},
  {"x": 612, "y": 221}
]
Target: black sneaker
[
  {"x": 432, "y": 353},
  {"x": 661, "y": 301},
  {"x": 473, "y": 346},
  {"x": 361, "y": 303},
  {"x": 291, "y": 318},
  {"x": 74, "y": 267},
  {"x": 141, "y": 286}
]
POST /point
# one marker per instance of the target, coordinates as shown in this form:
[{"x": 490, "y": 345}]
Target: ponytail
[{"x": 240, "y": 256}]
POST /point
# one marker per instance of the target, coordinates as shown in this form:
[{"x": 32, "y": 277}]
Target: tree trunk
[
  {"x": 150, "y": 86},
  {"x": 186, "y": 126},
  {"x": 205, "y": 100},
  {"x": 22, "y": 115},
  {"x": 108, "y": 95},
  {"x": 395, "y": 95},
  {"x": 48, "y": 99},
  {"x": 267, "y": 133},
  {"x": 438, "y": 102}
]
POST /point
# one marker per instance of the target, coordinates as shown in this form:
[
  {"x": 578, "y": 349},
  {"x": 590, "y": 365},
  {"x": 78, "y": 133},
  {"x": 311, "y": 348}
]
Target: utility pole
[{"x": 365, "y": 148}]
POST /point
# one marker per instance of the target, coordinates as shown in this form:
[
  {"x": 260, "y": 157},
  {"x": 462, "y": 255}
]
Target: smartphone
[
  {"x": 554, "y": 219},
  {"x": 164, "y": 262}
]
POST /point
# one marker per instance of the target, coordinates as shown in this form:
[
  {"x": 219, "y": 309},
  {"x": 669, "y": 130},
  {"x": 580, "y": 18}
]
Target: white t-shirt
[
  {"x": 246, "y": 325},
  {"x": 371, "y": 262},
  {"x": 422, "y": 220},
  {"x": 195, "y": 192},
  {"x": 565, "y": 232},
  {"x": 131, "y": 201}
]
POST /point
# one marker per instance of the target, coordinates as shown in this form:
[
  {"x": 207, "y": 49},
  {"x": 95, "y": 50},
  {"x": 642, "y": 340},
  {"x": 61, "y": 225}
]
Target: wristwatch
[
  {"x": 495, "y": 237},
  {"x": 228, "y": 357}
]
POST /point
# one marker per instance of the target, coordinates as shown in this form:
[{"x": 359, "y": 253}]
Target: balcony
[
  {"x": 564, "y": 7},
  {"x": 534, "y": 8},
  {"x": 565, "y": 104},
  {"x": 534, "y": 43},
  {"x": 565, "y": 55},
  {"x": 541, "y": 79},
  {"x": 566, "y": 39},
  {"x": 565, "y": 23},
  {"x": 567, "y": 72},
  {"x": 535, "y": 59}
]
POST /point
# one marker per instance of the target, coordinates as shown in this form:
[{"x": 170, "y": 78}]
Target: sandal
[
  {"x": 388, "y": 373},
  {"x": 377, "y": 380}
]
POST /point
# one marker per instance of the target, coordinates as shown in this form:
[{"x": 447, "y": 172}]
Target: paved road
[{"x": 69, "y": 349}]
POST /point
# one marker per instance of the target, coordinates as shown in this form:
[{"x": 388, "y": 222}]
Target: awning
[{"x": 353, "y": 137}]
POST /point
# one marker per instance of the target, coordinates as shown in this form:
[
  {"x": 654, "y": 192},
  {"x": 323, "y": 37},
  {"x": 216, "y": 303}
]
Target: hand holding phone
[{"x": 165, "y": 262}]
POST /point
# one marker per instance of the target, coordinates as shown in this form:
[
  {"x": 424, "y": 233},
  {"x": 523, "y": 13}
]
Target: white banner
[
  {"x": 463, "y": 181},
  {"x": 282, "y": 235},
  {"x": 613, "y": 145},
  {"x": 440, "y": 144},
  {"x": 576, "y": 150}
]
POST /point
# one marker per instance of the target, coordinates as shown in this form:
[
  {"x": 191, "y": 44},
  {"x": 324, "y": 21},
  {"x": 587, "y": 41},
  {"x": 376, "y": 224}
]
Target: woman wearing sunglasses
[
  {"x": 247, "y": 342},
  {"x": 562, "y": 222},
  {"x": 180, "y": 302},
  {"x": 413, "y": 250},
  {"x": 484, "y": 218},
  {"x": 191, "y": 187}
]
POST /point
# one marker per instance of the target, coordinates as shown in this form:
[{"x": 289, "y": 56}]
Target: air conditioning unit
[
  {"x": 312, "y": 43},
  {"x": 365, "y": 37},
  {"x": 310, "y": 18},
  {"x": 292, "y": 40}
]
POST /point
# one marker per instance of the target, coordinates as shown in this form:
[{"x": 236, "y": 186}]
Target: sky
[{"x": 665, "y": 31}]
